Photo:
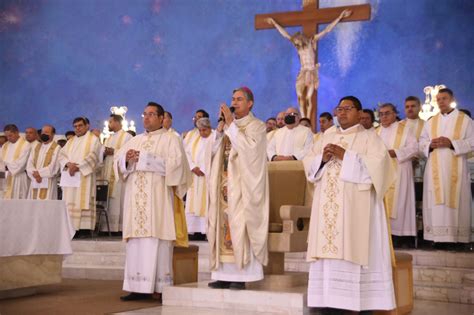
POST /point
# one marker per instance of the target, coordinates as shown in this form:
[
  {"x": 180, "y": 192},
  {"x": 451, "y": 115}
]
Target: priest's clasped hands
[
  {"x": 227, "y": 114},
  {"x": 333, "y": 150},
  {"x": 72, "y": 168},
  {"x": 441, "y": 142},
  {"x": 37, "y": 176},
  {"x": 132, "y": 156},
  {"x": 197, "y": 171},
  {"x": 109, "y": 151}
]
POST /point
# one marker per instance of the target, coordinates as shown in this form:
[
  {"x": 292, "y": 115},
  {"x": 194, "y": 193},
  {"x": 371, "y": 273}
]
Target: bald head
[
  {"x": 280, "y": 119},
  {"x": 31, "y": 134},
  {"x": 47, "y": 134},
  {"x": 292, "y": 117}
]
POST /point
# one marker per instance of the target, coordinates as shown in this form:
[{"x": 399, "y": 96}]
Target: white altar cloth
[{"x": 35, "y": 227}]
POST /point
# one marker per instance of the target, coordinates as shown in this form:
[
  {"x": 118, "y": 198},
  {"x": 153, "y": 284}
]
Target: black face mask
[
  {"x": 44, "y": 137},
  {"x": 289, "y": 120}
]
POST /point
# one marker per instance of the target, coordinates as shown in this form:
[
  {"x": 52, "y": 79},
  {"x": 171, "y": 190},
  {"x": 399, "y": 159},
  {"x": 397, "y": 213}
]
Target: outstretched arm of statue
[
  {"x": 344, "y": 14},
  {"x": 280, "y": 29}
]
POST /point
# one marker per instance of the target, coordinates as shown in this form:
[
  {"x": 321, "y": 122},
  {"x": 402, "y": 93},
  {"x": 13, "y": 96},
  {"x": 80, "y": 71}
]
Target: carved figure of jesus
[{"x": 308, "y": 79}]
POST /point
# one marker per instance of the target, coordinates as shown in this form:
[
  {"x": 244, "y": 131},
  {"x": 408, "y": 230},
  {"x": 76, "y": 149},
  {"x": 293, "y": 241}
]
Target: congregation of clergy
[{"x": 217, "y": 180}]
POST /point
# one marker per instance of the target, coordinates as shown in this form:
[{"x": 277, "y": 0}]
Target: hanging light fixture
[
  {"x": 430, "y": 107},
  {"x": 126, "y": 125}
]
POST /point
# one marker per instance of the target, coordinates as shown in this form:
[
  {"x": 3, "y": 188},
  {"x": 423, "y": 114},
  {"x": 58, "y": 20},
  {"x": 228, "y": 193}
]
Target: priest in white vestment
[
  {"x": 413, "y": 121},
  {"x": 280, "y": 120},
  {"x": 402, "y": 148},
  {"x": 280, "y": 123},
  {"x": 271, "y": 124},
  {"x": 153, "y": 167},
  {"x": 31, "y": 135},
  {"x": 367, "y": 119},
  {"x": 291, "y": 142},
  {"x": 189, "y": 137},
  {"x": 78, "y": 161},
  {"x": 446, "y": 141},
  {"x": 416, "y": 124},
  {"x": 190, "y": 141},
  {"x": 348, "y": 242},
  {"x": 14, "y": 155},
  {"x": 197, "y": 196},
  {"x": 43, "y": 166},
  {"x": 239, "y": 198},
  {"x": 168, "y": 123},
  {"x": 116, "y": 193},
  {"x": 326, "y": 123}
]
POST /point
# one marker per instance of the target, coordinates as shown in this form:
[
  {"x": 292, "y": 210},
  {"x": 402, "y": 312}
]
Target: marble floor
[{"x": 421, "y": 308}]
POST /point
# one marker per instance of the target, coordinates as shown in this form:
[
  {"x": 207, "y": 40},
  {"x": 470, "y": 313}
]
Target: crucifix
[{"x": 306, "y": 43}]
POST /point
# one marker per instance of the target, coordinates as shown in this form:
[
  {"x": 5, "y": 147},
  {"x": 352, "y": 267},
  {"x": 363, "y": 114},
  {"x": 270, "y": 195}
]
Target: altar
[{"x": 34, "y": 238}]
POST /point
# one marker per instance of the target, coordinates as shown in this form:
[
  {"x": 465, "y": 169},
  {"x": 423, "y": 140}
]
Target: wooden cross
[{"x": 310, "y": 18}]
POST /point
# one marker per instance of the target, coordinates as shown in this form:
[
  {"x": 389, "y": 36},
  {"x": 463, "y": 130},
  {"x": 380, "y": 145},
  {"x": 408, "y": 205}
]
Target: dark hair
[
  {"x": 370, "y": 112},
  {"x": 355, "y": 101},
  {"x": 133, "y": 133},
  {"x": 394, "y": 108},
  {"x": 159, "y": 109},
  {"x": 326, "y": 115},
  {"x": 446, "y": 90},
  {"x": 69, "y": 133},
  {"x": 117, "y": 118},
  {"x": 465, "y": 111},
  {"x": 61, "y": 142},
  {"x": 271, "y": 118},
  {"x": 81, "y": 119},
  {"x": 203, "y": 112},
  {"x": 306, "y": 119},
  {"x": 11, "y": 128},
  {"x": 413, "y": 98},
  {"x": 169, "y": 114}
]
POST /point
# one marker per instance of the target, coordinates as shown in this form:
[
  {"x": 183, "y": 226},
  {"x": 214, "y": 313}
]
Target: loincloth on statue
[{"x": 308, "y": 77}]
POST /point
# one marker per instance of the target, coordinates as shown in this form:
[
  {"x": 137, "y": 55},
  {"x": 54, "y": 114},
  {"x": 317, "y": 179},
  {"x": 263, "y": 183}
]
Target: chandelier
[
  {"x": 126, "y": 125},
  {"x": 430, "y": 107}
]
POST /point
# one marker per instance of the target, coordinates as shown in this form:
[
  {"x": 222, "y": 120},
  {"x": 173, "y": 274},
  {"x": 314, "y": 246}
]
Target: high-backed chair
[{"x": 290, "y": 209}]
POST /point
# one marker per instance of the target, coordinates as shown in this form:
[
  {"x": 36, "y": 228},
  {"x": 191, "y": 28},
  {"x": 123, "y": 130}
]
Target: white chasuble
[
  {"x": 116, "y": 192},
  {"x": 80, "y": 201},
  {"x": 150, "y": 184},
  {"x": 199, "y": 153},
  {"x": 239, "y": 204},
  {"x": 290, "y": 142},
  {"x": 149, "y": 220},
  {"x": 44, "y": 159},
  {"x": 15, "y": 157},
  {"x": 446, "y": 183},
  {"x": 348, "y": 241},
  {"x": 400, "y": 198}
]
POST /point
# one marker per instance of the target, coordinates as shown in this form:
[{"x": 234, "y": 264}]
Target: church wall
[{"x": 61, "y": 59}]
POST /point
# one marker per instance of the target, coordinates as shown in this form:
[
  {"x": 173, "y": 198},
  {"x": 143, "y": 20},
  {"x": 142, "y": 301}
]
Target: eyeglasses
[
  {"x": 149, "y": 115},
  {"x": 383, "y": 114},
  {"x": 344, "y": 109}
]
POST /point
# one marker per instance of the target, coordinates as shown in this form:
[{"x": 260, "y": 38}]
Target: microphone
[{"x": 232, "y": 110}]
